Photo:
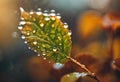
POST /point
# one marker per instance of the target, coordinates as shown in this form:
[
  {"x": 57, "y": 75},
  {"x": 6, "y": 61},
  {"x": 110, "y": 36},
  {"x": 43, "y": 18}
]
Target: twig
[{"x": 92, "y": 75}]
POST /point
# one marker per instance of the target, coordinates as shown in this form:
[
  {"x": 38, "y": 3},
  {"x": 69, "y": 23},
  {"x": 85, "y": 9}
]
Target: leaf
[
  {"x": 46, "y": 34},
  {"x": 72, "y": 77}
]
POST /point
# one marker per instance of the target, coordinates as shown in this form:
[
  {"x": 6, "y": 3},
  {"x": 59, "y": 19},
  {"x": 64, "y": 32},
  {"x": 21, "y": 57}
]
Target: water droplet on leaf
[
  {"x": 22, "y": 23},
  {"x": 58, "y": 66},
  {"x": 41, "y": 24},
  {"x": 23, "y": 37},
  {"x": 47, "y": 19},
  {"x": 35, "y": 42},
  {"x": 54, "y": 49},
  {"x": 65, "y": 25},
  {"x": 34, "y": 31},
  {"x": 69, "y": 33},
  {"x": 25, "y": 42}
]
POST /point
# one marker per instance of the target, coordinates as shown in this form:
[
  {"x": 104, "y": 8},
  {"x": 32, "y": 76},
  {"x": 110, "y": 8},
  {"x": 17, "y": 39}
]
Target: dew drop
[
  {"x": 44, "y": 58},
  {"x": 52, "y": 14},
  {"x": 65, "y": 25},
  {"x": 35, "y": 42},
  {"x": 28, "y": 33},
  {"x": 53, "y": 18},
  {"x": 47, "y": 19},
  {"x": 69, "y": 33},
  {"x": 58, "y": 16},
  {"x": 31, "y": 12},
  {"x": 43, "y": 54},
  {"x": 22, "y": 22},
  {"x": 52, "y": 11},
  {"x": 34, "y": 31},
  {"x": 41, "y": 24},
  {"x": 22, "y": 18},
  {"x": 58, "y": 66},
  {"x": 25, "y": 42},
  {"x": 38, "y": 55},
  {"x": 54, "y": 49},
  {"x": 45, "y": 13},
  {"x": 29, "y": 47},
  {"x": 35, "y": 50},
  {"x": 59, "y": 37},
  {"x": 23, "y": 37},
  {"x": 39, "y": 11}
]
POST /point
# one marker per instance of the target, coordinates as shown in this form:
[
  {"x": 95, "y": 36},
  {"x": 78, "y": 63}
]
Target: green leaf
[
  {"x": 46, "y": 34},
  {"x": 72, "y": 77}
]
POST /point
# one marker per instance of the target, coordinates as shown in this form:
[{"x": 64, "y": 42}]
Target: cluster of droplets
[{"x": 48, "y": 16}]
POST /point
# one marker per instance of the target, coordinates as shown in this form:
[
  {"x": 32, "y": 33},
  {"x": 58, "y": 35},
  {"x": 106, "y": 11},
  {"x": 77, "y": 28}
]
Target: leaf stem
[{"x": 92, "y": 75}]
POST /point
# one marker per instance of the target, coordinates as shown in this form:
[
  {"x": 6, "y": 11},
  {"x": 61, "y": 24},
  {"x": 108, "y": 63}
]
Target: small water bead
[
  {"x": 69, "y": 33},
  {"x": 31, "y": 12},
  {"x": 59, "y": 38},
  {"x": 20, "y": 27},
  {"x": 39, "y": 11},
  {"x": 29, "y": 47},
  {"x": 53, "y": 18},
  {"x": 43, "y": 54},
  {"x": 54, "y": 49},
  {"x": 38, "y": 55},
  {"x": 52, "y": 11},
  {"x": 65, "y": 25},
  {"x": 35, "y": 50},
  {"x": 41, "y": 24},
  {"x": 47, "y": 18},
  {"x": 45, "y": 13},
  {"x": 23, "y": 37},
  {"x": 44, "y": 58},
  {"x": 22, "y": 18},
  {"x": 21, "y": 9},
  {"x": 58, "y": 66},
  {"x": 22, "y": 23},
  {"x": 52, "y": 14},
  {"x": 34, "y": 31},
  {"x": 25, "y": 42},
  {"x": 35, "y": 42},
  {"x": 28, "y": 33},
  {"x": 58, "y": 16}
]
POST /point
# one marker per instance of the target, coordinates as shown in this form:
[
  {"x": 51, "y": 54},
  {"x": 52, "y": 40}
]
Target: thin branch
[{"x": 92, "y": 75}]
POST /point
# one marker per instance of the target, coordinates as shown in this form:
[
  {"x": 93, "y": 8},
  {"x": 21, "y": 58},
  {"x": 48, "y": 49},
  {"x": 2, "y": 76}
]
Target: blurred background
[{"x": 84, "y": 17}]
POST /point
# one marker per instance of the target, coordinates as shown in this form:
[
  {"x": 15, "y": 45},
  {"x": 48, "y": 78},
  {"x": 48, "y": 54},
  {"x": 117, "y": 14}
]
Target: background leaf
[{"x": 72, "y": 77}]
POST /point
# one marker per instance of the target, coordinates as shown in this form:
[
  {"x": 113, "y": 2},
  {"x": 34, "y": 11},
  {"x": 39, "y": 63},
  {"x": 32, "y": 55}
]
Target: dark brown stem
[{"x": 92, "y": 75}]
